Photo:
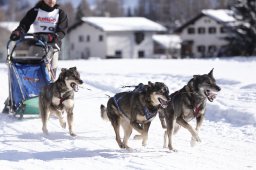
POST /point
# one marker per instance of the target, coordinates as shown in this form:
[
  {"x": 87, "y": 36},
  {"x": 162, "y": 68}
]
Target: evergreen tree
[
  {"x": 2, "y": 15},
  {"x": 243, "y": 39}
]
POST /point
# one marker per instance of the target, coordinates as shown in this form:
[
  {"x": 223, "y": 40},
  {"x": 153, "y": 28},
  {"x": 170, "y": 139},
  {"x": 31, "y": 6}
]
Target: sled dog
[
  {"x": 58, "y": 97},
  {"x": 186, "y": 104},
  {"x": 135, "y": 110}
]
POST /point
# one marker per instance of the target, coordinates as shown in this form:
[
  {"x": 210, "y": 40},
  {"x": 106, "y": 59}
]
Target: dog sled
[{"x": 28, "y": 61}]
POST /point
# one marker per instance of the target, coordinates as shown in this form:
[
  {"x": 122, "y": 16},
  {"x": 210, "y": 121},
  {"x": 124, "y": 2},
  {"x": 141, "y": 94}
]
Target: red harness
[{"x": 196, "y": 110}]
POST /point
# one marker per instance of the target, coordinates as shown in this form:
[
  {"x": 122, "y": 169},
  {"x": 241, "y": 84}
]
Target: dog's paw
[
  {"x": 137, "y": 137},
  {"x": 144, "y": 144},
  {"x": 45, "y": 131},
  {"x": 194, "y": 141},
  {"x": 63, "y": 125},
  {"x": 72, "y": 134},
  {"x": 122, "y": 145},
  {"x": 196, "y": 138},
  {"x": 172, "y": 149}
]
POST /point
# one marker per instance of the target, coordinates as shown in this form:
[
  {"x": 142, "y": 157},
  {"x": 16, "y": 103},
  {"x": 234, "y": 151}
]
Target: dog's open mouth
[
  {"x": 74, "y": 86},
  {"x": 164, "y": 103},
  {"x": 211, "y": 95}
]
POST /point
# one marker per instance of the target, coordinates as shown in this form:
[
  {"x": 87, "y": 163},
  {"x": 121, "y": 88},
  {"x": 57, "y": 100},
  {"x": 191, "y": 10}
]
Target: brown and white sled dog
[
  {"x": 58, "y": 97},
  {"x": 135, "y": 110},
  {"x": 186, "y": 104}
]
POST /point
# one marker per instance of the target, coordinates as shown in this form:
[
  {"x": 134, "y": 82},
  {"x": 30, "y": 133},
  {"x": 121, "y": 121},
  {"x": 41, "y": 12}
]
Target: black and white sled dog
[
  {"x": 58, "y": 97},
  {"x": 186, "y": 104},
  {"x": 135, "y": 110}
]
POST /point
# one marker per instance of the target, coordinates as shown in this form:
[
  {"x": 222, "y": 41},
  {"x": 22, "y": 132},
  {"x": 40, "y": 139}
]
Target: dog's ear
[
  {"x": 63, "y": 69},
  {"x": 211, "y": 73},
  {"x": 150, "y": 84},
  {"x": 73, "y": 68},
  {"x": 195, "y": 76}
]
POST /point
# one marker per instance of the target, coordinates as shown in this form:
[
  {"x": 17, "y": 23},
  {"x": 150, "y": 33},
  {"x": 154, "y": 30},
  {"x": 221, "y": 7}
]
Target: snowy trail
[{"x": 228, "y": 134}]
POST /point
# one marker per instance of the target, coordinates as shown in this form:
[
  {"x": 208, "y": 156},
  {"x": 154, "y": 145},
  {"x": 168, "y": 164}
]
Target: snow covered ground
[{"x": 228, "y": 135}]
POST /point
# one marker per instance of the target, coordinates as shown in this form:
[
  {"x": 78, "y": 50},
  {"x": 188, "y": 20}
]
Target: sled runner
[{"x": 28, "y": 71}]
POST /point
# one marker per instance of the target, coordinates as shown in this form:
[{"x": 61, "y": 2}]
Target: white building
[
  {"x": 167, "y": 45},
  {"x": 108, "y": 37},
  {"x": 203, "y": 36}
]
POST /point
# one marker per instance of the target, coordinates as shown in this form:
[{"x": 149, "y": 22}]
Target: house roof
[
  {"x": 123, "y": 24},
  {"x": 223, "y": 16},
  {"x": 167, "y": 40},
  {"x": 10, "y": 26}
]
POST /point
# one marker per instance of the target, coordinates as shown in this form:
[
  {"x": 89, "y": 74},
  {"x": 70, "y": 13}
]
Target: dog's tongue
[
  {"x": 212, "y": 96},
  {"x": 74, "y": 86},
  {"x": 163, "y": 103}
]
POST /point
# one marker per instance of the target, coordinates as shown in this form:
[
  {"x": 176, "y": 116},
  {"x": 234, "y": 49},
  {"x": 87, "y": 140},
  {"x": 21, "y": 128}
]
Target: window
[
  {"x": 88, "y": 38},
  {"x": 212, "y": 30},
  {"x": 139, "y": 37},
  {"x": 223, "y": 30},
  {"x": 201, "y": 49},
  {"x": 118, "y": 54},
  {"x": 207, "y": 21},
  {"x": 141, "y": 54},
  {"x": 191, "y": 30},
  {"x": 212, "y": 49},
  {"x": 81, "y": 38},
  {"x": 201, "y": 30},
  {"x": 100, "y": 38}
]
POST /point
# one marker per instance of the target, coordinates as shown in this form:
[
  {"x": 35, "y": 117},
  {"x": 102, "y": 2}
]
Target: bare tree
[
  {"x": 69, "y": 9},
  {"x": 16, "y": 10},
  {"x": 109, "y": 8},
  {"x": 11, "y": 12},
  {"x": 2, "y": 15},
  {"x": 173, "y": 13},
  {"x": 83, "y": 10},
  {"x": 4, "y": 37}
]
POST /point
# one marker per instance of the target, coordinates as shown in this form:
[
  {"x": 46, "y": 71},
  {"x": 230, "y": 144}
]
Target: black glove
[{"x": 15, "y": 35}]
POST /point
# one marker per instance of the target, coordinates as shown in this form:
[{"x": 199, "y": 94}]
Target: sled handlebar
[
  {"x": 32, "y": 36},
  {"x": 26, "y": 37}
]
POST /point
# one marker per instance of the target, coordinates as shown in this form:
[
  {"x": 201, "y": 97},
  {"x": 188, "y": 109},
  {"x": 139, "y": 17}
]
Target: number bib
[{"x": 45, "y": 22}]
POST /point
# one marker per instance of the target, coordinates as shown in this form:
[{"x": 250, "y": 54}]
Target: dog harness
[
  {"x": 148, "y": 114},
  {"x": 146, "y": 111},
  {"x": 117, "y": 105},
  {"x": 62, "y": 98},
  {"x": 196, "y": 110}
]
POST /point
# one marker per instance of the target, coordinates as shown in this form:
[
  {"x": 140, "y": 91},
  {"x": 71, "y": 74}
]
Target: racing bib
[{"x": 45, "y": 22}]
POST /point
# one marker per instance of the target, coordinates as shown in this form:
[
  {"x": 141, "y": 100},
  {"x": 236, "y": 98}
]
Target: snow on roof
[
  {"x": 124, "y": 24},
  {"x": 168, "y": 41},
  {"x": 222, "y": 15},
  {"x": 10, "y": 26}
]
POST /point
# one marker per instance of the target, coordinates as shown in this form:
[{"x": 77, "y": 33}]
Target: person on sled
[{"x": 49, "y": 22}]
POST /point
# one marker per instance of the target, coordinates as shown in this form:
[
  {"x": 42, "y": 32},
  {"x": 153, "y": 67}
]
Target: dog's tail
[{"x": 103, "y": 111}]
